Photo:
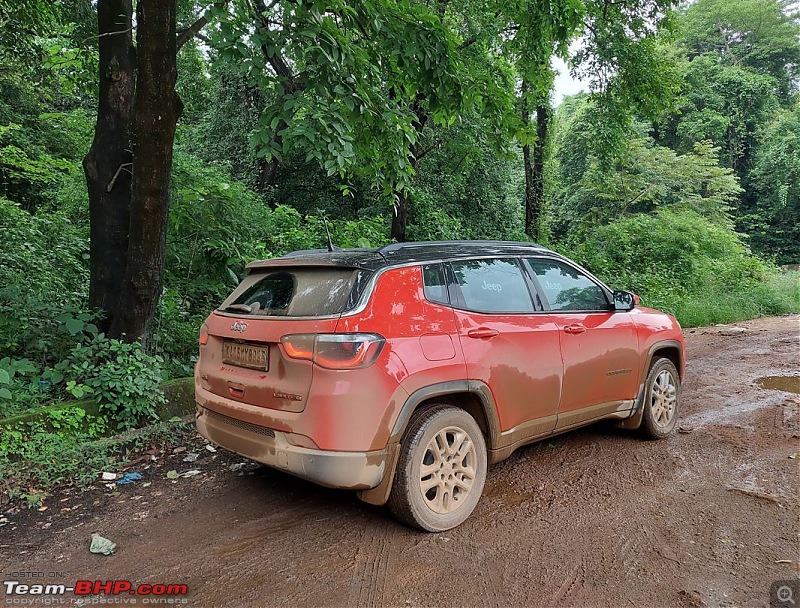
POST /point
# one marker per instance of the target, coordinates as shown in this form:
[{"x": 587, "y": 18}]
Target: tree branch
[
  {"x": 424, "y": 152},
  {"x": 113, "y": 181},
  {"x": 98, "y": 36},
  {"x": 467, "y": 43},
  {"x": 192, "y": 31}
]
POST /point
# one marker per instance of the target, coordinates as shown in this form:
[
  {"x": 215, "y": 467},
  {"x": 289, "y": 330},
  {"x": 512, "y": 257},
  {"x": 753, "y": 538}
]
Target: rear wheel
[
  {"x": 441, "y": 470},
  {"x": 661, "y": 399}
]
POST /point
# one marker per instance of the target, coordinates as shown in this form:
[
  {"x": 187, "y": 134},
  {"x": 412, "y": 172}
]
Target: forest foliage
[{"x": 674, "y": 175}]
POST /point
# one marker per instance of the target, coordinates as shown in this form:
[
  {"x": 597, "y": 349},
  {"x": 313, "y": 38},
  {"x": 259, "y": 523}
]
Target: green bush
[
  {"x": 34, "y": 459},
  {"x": 177, "y": 325},
  {"x": 778, "y": 294},
  {"x": 21, "y": 440},
  {"x": 28, "y": 382},
  {"x": 44, "y": 275},
  {"x": 51, "y": 459},
  {"x": 121, "y": 377},
  {"x": 683, "y": 263}
]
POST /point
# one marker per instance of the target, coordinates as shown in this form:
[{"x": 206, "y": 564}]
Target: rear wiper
[{"x": 238, "y": 308}]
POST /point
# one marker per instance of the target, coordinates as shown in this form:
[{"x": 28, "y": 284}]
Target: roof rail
[{"x": 467, "y": 244}]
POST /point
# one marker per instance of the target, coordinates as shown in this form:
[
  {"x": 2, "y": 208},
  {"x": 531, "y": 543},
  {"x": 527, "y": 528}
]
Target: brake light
[
  {"x": 203, "y": 339},
  {"x": 335, "y": 351}
]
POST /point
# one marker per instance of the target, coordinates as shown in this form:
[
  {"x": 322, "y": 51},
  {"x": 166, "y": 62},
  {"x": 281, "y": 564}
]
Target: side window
[
  {"x": 492, "y": 286},
  {"x": 566, "y": 288},
  {"x": 434, "y": 284}
]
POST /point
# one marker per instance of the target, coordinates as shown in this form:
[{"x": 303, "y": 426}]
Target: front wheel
[
  {"x": 441, "y": 470},
  {"x": 661, "y": 399}
]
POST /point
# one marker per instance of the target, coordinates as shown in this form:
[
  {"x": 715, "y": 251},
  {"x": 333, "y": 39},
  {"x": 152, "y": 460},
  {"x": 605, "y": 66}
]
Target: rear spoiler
[{"x": 359, "y": 259}]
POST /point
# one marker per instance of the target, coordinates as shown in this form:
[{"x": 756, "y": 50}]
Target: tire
[
  {"x": 441, "y": 470},
  {"x": 661, "y": 399}
]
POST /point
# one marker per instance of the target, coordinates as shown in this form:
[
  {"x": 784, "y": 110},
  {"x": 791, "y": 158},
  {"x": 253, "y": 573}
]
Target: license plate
[{"x": 245, "y": 355}]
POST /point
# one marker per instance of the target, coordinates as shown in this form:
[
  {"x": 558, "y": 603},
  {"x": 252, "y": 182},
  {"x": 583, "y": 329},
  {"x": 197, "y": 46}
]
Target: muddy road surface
[{"x": 597, "y": 517}]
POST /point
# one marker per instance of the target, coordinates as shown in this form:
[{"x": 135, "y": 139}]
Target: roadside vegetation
[{"x": 676, "y": 175}]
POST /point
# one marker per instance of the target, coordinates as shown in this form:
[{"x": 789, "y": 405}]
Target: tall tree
[
  {"x": 618, "y": 55},
  {"x": 771, "y": 218},
  {"x": 758, "y": 35},
  {"x": 533, "y": 160},
  {"x": 356, "y": 86},
  {"x": 129, "y": 164},
  {"x": 739, "y": 61},
  {"x": 156, "y": 110}
]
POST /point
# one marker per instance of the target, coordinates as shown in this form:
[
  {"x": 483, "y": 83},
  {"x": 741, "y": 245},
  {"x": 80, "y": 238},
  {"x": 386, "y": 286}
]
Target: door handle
[
  {"x": 575, "y": 328},
  {"x": 482, "y": 332}
]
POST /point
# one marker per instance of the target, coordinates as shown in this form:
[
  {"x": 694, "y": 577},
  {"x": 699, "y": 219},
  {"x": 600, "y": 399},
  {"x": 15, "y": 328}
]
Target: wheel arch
[
  {"x": 472, "y": 396},
  {"x": 669, "y": 349}
]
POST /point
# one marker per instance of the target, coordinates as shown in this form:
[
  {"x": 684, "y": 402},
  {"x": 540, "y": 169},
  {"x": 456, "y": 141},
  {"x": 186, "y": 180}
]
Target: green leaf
[
  {"x": 25, "y": 366},
  {"x": 74, "y": 326},
  {"x": 4, "y": 377},
  {"x": 5, "y": 393}
]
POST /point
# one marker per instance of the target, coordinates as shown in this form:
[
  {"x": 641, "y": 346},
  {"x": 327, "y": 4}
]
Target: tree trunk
[
  {"x": 157, "y": 108},
  {"x": 402, "y": 198},
  {"x": 531, "y": 226},
  {"x": 267, "y": 173},
  {"x": 107, "y": 165},
  {"x": 399, "y": 216},
  {"x": 533, "y": 213}
]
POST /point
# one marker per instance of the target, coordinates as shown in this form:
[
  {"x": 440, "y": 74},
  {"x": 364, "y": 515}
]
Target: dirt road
[{"x": 597, "y": 517}]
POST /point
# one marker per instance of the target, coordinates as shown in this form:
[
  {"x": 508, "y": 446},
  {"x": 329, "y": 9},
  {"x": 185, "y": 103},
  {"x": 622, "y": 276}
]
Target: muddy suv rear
[{"x": 271, "y": 352}]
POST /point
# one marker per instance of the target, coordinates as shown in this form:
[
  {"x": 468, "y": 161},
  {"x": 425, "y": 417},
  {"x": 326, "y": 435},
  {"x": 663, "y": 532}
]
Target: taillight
[
  {"x": 203, "y": 338},
  {"x": 299, "y": 346},
  {"x": 335, "y": 351}
]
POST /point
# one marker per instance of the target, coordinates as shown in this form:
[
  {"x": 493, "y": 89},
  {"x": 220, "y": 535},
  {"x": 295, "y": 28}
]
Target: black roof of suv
[{"x": 402, "y": 253}]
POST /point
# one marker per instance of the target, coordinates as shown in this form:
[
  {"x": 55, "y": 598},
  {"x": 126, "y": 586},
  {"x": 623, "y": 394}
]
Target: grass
[
  {"x": 779, "y": 294},
  {"x": 56, "y": 460}
]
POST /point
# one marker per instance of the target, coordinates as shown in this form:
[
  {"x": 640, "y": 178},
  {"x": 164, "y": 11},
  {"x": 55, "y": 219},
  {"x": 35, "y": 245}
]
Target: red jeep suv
[{"x": 403, "y": 372}]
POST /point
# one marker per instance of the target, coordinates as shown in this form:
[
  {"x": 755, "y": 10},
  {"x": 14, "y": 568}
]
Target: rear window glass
[{"x": 295, "y": 292}]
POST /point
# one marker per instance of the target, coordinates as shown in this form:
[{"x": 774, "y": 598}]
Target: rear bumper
[{"x": 345, "y": 470}]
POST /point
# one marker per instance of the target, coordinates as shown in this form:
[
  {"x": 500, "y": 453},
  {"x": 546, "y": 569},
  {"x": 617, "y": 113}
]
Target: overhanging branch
[{"x": 192, "y": 31}]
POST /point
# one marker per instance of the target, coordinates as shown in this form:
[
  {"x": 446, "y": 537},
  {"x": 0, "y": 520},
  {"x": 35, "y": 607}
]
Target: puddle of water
[
  {"x": 727, "y": 413},
  {"x": 789, "y": 384}
]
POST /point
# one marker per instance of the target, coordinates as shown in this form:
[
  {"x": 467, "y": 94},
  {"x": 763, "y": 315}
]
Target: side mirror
[{"x": 625, "y": 300}]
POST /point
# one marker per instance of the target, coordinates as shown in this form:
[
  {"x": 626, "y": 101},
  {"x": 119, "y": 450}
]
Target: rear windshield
[{"x": 294, "y": 292}]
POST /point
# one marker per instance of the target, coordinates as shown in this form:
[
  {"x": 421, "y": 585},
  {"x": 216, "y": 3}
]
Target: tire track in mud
[
  {"x": 488, "y": 594},
  {"x": 371, "y": 568},
  {"x": 571, "y": 584}
]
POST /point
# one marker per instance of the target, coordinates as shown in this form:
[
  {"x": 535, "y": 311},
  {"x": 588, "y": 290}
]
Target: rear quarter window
[
  {"x": 434, "y": 284},
  {"x": 294, "y": 292}
]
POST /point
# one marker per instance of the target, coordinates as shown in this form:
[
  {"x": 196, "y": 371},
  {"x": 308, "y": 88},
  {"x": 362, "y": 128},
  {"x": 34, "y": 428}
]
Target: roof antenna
[{"x": 327, "y": 232}]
